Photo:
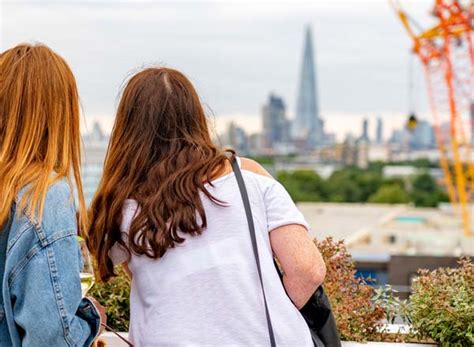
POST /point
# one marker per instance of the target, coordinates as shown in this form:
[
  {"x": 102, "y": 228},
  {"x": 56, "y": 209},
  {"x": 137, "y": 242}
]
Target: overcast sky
[{"x": 236, "y": 52}]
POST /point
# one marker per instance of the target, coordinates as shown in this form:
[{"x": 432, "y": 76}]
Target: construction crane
[{"x": 446, "y": 52}]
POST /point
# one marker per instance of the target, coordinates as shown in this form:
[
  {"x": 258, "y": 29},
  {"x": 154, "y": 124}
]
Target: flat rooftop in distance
[{"x": 378, "y": 231}]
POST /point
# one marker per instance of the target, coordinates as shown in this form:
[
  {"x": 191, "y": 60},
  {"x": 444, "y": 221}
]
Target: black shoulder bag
[{"x": 317, "y": 311}]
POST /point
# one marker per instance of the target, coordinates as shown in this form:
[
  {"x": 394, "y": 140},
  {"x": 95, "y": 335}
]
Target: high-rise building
[
  {"x": 275, "y": 124},
  {"x": 255, "y": 144},
  {"x": 365, "y": 130},
  {"x": 379, "y": 131},
  {"x": 308, "y": 127},
  {"x": 348, "y": 155},
  {"x": 237, "y": 138},
  {"x": 422, "y": 136},
  {"x": 362, "y": 154},
  {"x": 95, "y": 147},
  {"x": 419, "y": 138}
]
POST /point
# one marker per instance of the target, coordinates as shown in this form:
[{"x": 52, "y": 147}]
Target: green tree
[
  {"x": 342, "y": 188},
  {"x": 394, "y": 180},
  {"x": 376, "y": 166},
  {"x": 426, "y": 192},
  {"x": 419, "y": 163},
  {"x": 424, "y": 182},
  {"x": 303, "y": 185},
  {"x": 368, "y": 182},
  {"x": 390, "y": 194},
  {"x": 353, "y": 185}
]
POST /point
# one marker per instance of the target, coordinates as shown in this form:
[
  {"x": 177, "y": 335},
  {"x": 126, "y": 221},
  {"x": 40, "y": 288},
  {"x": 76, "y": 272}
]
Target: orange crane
[{"x": 446, "y": 51}]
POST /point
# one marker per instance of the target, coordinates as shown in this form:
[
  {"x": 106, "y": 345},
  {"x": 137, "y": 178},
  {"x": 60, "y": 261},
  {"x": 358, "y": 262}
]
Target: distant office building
[
  {"x": 255, "y": 144},
  {"x": 308, "y": 127},
  {"x": 396, "y": 137},
  {"x": 379, "y": 152},
  {"x": 365, "y": 130},
  {"x": 400, "y": 138},
  {"x": 95, "y": 148},
  {"x": 275, "y": 124},
  {"x": 237, "y": 138},
  {"x": 379, "y": 132},
  {"x": 362, "y": 153},
  {"x": 349, "y": 151},
  {"x": 329, "y": 139},
  {"x": 423, "y": 136},
  {"x": 412, "y": 142}
]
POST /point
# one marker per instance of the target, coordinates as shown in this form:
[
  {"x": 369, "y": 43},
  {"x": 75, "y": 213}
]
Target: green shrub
[
  {"x": 114, "y": 296},
  {"x": 386, "y": 297},
  {"x": 442, "y": 305},
  {"x": 357, "y": 318}
]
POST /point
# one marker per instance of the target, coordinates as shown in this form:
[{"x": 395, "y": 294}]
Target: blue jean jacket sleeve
[{"x": 47, "y": 290}]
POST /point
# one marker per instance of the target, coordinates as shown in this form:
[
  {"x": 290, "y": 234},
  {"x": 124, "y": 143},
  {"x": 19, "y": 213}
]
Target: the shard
[{"x": 307, "y": 129}]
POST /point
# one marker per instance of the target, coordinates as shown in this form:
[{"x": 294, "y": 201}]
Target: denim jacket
[{"x": 41, "y": 302}]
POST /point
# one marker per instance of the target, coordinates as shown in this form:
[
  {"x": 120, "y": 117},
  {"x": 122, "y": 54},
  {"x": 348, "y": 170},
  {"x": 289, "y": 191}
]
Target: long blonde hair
[{"x": 39, "y": 129}]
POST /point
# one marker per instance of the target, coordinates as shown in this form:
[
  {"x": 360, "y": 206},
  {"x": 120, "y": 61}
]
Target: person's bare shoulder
[{"x": 252, "y": 166}]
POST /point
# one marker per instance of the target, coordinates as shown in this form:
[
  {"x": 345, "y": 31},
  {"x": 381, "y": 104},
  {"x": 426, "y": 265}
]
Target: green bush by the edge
[
  {"x": 114, "y": 296},
  {"x": 442, "y": 305}
]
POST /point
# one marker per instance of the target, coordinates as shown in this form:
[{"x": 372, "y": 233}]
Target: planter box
[
  {"x": 114, "y": 341},
  {"x": 382, "y": 344}
]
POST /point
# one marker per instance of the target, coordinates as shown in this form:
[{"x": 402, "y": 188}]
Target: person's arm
[
  {"x": 48, "y": 307},
  {"x": 302, "y": 264}
]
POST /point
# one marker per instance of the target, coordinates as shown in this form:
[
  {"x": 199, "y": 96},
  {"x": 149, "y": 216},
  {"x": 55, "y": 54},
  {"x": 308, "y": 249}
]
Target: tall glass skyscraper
[
  {"x": 308, "y": 126},
  {"x": 275, "y": 124}
]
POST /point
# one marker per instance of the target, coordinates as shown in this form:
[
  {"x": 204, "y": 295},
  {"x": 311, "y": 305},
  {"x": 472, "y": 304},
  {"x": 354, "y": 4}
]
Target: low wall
[{"x": 114, "y": 341}]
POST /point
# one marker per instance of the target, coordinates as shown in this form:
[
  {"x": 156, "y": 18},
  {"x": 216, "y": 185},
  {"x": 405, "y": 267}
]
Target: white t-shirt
[{"x": 206, "y": 291}]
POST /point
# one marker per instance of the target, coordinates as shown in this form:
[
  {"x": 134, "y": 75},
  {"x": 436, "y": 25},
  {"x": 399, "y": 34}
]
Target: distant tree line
[{"x": 357, "y": 185}]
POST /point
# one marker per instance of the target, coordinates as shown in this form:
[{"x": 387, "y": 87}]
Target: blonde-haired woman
[{"x": 41, "y": 303}]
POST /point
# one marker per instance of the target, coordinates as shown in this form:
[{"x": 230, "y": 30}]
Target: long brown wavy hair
[
  {"x": 39, "y": 129},
  {"x": 160, "y": 154}
]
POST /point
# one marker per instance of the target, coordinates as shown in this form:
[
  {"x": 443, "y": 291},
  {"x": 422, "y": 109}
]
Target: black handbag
[{"x": 317, "y": 312}]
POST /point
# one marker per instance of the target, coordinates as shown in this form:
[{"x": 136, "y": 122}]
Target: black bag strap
[{"x": 248, "y": 213}]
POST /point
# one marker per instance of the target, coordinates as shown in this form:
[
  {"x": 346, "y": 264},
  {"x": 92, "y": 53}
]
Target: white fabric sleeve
[
  {"x": 118, "y": 254},
  {"x": 280, "y": 208}
]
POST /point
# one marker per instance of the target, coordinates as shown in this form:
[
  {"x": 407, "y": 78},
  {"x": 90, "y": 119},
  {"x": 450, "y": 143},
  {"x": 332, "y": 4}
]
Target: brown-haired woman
[
  {"x": 41, "y": 303},
  {"x": 169, "y": 208}
]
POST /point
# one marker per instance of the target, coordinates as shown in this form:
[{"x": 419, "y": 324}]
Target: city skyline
[
  {"x": 235, "y": 53},
  {"x": 306, "y": 131}
]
